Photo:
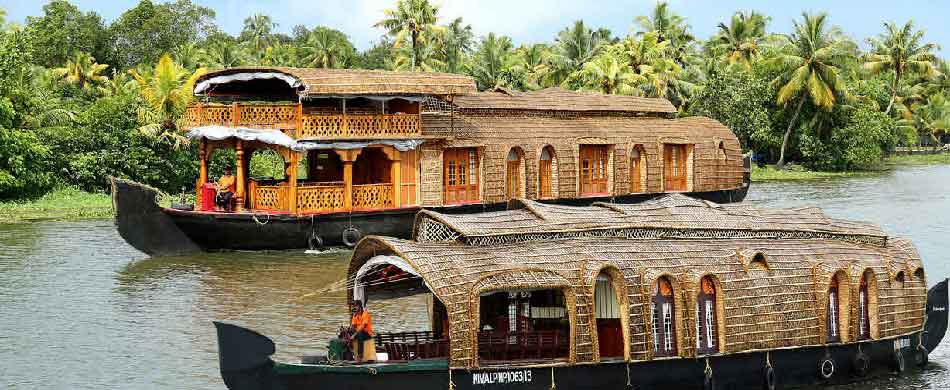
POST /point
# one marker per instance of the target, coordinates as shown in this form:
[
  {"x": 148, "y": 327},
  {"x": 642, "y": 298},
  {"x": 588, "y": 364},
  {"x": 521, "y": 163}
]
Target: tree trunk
[
  {"x": 897, "y": 78},
  {"x": 414, "y": 39},
  {"x": 788, "y": 133}
]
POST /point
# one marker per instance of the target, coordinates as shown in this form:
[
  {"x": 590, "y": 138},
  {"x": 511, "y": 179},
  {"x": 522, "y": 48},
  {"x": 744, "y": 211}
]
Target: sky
[{"x": 527, "y": 21}]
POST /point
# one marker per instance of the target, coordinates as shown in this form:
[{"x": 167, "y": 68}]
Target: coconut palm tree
[
  {"x": 608, "y": 73},
  {"x": 323, "y": 50},
  {"x": 189, "y": 55},
  {"x": 82, "y": 71},
  {"x": 457, "y": 41},
  {"x": 740, "y": 40},
  {"x": 412, "y": 20},
  {"x": 167, "y": 90},
  {"x": 808, "y": 67},
  {"x": 491, "y": 62},
  {"x": 257, "y": 33},
  {"x": 901, "y": 50},
  {"x": 575, "y": 46},
  {"x": 118, "y": 85},
  {"x": 671, "y": 27},
  {"x": 533, "y": 64},
  {"x": 281, "y": 54},
  {"x": 427, "y": 59},
  {"x": 933, "y": 118},
  {"x": 223, "y": 54}
]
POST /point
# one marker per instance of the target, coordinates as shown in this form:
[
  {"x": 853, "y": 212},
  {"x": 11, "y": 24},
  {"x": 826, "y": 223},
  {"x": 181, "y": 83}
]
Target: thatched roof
[
  {"x": 780, "y": 303},
  {"x": 557, "y": 99},
  {"x": 316, "y": 82},
  {"x": 667, "y": 216}
]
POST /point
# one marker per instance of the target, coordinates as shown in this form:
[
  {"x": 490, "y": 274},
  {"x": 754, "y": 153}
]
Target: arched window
[
  {"x": 546, "y": 173},
  {"x": 513, "y": 177},
  {"x": 834, "y": 312},
  {"x": 706, "y": 332},
  {"x": 919, "y": 275},
  {"x": 721, "y": 150},
  {"x": 899, "y": 279},
  {"x": 637, "y": 169},
  {"x": 864, "y": 317},
  {"x": 664, "y": 332}
]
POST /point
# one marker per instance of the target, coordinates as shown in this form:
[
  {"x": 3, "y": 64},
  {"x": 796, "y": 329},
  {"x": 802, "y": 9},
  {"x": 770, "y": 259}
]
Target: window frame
[{"x": 461, "y": 176}]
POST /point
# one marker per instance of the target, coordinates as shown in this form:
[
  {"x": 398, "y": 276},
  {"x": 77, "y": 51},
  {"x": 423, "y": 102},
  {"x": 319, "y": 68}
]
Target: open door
[{"x": 607, "y": 313}]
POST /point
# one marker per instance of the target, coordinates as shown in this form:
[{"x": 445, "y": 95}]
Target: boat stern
[
  {"x": 244, "y": 358},
  {"x": 935, "y": 325}
]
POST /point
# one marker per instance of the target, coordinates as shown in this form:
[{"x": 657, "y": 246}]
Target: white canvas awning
[
  {"x": 203, "y": 86},
  {"x": 359, "y": 286},
  {"x": 276, "y": 137}
]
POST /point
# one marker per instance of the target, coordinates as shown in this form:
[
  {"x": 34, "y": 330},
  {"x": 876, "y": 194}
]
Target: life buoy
[
  {"x": 351, "y": 236},
  {"x": 827, "y": 368},
  {"x": 899, "y": 365},
  {"x": 921, "y": 356},
  {"x": 769, "y": 378},
  {"x": 315, "y": 242},
  {"x": 862, "y": 364}
]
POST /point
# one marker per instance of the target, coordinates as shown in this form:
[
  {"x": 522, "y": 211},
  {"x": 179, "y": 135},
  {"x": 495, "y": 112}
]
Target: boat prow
[
  {"x": 244, "y": 357},
  {"x": 143, "y": 224},
  {"x": 935, "y": 326}
]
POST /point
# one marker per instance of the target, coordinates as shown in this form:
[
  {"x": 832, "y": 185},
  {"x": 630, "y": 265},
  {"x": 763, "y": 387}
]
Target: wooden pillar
[
  {"x": 348, "y": 157},
  {"x": 203, "y": 161},
  {"x": 299, "y": 129},
  {"x": 395, "y": 174},
  {"x": 239, "y": 161},
  {"x": 292, "y": 182}
]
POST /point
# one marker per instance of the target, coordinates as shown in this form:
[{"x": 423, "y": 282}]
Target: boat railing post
[
  {"x": 239, "y": 161},
  {"x": 292, "y": 181}
]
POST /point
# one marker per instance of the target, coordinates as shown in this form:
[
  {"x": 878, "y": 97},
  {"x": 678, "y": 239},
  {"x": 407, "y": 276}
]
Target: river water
[{"x": 80, "y": 309}]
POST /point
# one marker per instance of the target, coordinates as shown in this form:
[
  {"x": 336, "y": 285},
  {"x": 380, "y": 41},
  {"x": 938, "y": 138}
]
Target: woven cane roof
[
  {"x": 667, "y": 216},
  {"x": 557, "y": 99},
  {"x": 761, "y": 307},
  {"x": 317, "y": 82}
]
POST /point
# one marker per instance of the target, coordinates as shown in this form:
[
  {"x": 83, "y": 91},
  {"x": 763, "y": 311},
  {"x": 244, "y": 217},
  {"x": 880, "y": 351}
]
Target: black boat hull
[
  {"x": 159, "y": 231},
  {"x": 246, "y": 365}
]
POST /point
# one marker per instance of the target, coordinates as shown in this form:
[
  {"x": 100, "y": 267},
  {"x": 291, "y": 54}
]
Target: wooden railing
[
  {"x": 290, "y": 119},
  {"x": 373, "y": 196},
  {"x": 320, "y": 198},
  {"x": 272, "y": 198}
]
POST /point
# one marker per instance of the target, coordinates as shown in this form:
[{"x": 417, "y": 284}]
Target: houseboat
[
  {"x": 364, "y": 150},
  {"x": 671, "y": 293}
]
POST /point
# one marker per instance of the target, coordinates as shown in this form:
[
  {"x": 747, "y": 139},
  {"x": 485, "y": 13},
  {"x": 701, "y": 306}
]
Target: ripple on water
[{"x": 80, "y": 309}]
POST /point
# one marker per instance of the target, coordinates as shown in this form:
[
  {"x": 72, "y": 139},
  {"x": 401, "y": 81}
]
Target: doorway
[{"x": 607, "y": 313}]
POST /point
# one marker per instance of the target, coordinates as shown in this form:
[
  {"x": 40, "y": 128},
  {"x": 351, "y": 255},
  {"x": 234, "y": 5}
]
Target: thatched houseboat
[
  {"x": 364, "y": 150},
  {"x": 671, "y": 293}
]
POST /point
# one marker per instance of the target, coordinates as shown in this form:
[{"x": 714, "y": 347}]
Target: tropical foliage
[{"x": 82, "y": 99}]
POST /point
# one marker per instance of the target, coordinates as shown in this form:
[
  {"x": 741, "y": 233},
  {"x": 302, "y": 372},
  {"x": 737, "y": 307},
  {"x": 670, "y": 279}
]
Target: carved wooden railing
[
  {"x": 373, "y": 196},
  {"x": 324, "y": 197},
  {"x": 290, "y": 119},
  {"x": 271, "y": 198}
]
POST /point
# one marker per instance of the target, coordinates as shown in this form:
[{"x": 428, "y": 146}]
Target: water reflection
[{"x": 80, "y": 309}]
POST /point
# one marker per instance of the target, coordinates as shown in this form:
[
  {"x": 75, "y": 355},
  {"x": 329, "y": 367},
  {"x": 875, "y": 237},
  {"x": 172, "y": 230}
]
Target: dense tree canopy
[{"x": 81, "y": 99}]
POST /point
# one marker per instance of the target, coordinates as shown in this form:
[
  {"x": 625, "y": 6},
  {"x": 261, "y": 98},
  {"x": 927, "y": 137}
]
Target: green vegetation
[
  {"x": 920, "y": 159},
  {"x": 794, "y": 173},
  {"x": 82, "y": 99},
  {"x": 60, "y": 204}
]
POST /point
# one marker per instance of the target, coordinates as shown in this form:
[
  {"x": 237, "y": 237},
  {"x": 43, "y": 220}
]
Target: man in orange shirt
[
  {"x": 362, "y": 324},
  {"x": 225, "y": 187}
]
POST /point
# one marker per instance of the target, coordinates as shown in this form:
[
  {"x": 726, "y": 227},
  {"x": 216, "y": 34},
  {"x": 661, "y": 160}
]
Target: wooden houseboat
[
  {"x": 364, "y": 150},
  {"x": 672, "y": 293}
]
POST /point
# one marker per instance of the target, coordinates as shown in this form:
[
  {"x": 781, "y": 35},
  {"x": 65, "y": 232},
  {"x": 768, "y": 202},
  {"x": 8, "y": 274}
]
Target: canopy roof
[
  {"x": 313, "y": 82},
  {"x": 667, "y": 216},
  {"x": 557, "y": 99}
]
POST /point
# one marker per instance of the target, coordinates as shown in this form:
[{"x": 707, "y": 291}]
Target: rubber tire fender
[
  {"x": 921, "y": 356},
  {"x": 826, "y": 369},
  {"x": 351, "y": 236},
  {"x": 899, "y": 364},
  {"x": 769, "y": 377},
  {"x": 862, "y": 364}
]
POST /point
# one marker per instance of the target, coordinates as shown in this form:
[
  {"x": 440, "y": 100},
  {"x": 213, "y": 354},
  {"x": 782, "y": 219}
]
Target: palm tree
[
  {"x": 281, "y": 54},
  {"x": 323, "y": 50},
  {"x": 608, "y": 73},
  {"x": 575, "y": 46},
  {"x": 740, "y": 40},
  {"x": 257, "y": 33},
  {"x": 899, "y": 49},
  {"x": 491, "y": 62},
  {"x": 669, "y": 27},
  {"x": 118, "y": 85},
  {"x": 413, "y": 20},
  {"x": 808, "y": 68},
  {"x": 82, "y": 71},
  {"x": 223, "y": 54},
  {"x": 167, "y": 90},
  {"x": 189, "y": 55},
  {"x": 456, "y": 43},
  {"x": 532, "y": 64},
  {"x": 933, "y": 118}
]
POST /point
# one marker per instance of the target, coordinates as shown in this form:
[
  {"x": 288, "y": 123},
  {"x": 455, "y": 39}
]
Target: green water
[{"x": 80, "y": 309}]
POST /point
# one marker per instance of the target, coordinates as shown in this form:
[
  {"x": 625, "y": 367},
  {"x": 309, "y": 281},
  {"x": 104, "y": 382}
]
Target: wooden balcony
[
  {"x": 291, "y": 119},
  {"x": 321, "y": 197}
]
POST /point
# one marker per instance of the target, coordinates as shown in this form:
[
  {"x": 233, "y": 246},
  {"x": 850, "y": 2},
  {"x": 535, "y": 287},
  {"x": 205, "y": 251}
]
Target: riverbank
[
  {"x": 797, "y": 172},
  {"x": 67, "y": 204}
]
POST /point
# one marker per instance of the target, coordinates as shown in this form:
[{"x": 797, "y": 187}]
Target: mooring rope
[
  {"x": 553, "y": 385},
  {"x": 254, "y": 216}
]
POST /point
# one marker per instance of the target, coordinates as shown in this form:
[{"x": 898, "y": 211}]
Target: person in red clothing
[{"x": 362, "y": 324}]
